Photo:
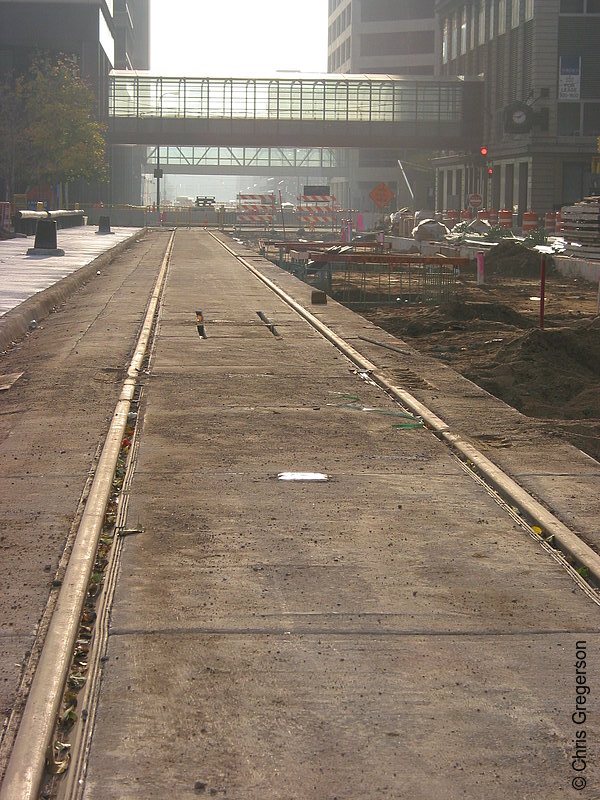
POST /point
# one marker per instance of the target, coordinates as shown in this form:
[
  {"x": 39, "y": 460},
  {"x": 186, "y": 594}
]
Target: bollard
[
  {"x": 480, "y": 268},
  {"x": 542, "y": 291},
  {"x": 45, "y": 240},
  {"x": 104, "y": 225}
]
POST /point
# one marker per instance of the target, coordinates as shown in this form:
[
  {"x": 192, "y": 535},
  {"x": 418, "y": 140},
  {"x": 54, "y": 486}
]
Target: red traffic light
[
  {"x": 483, "y": 151},
  {"x": 490, "y": 171}
]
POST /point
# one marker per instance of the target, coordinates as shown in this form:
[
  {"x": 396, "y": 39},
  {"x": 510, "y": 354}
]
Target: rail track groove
[{"x": 25, "y": 768}]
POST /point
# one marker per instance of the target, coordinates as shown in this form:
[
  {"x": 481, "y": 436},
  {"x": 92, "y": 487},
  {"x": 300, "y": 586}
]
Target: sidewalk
[{"x": 39, "y": 281}]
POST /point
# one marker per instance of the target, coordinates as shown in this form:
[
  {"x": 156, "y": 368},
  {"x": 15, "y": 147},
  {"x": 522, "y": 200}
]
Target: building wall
[
  {"x": 517, "y": 45},
  {"x": 394, "y": 37},
  {"x": 87, "y": 30},
  {"x": 382, "y": 36}
]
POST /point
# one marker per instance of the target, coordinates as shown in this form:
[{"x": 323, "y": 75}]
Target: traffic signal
[
  {"x": 490, "y": 171},
  {"x": 483, "y": 151}
]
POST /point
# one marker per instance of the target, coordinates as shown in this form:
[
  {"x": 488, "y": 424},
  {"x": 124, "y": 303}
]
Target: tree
[
  {"x": 12, "y": 152},
  {"x": 48, "y": 134}
]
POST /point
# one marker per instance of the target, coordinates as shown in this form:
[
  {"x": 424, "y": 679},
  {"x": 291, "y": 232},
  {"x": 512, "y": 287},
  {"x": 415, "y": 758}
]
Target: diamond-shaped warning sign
[{"x": 381, "y": 195}]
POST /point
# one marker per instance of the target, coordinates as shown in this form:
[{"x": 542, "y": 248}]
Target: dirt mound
[
  {"x": 511, "y": 258},
  {"x": 548, "y": 373},
  {"x": 460, "y": 315}
]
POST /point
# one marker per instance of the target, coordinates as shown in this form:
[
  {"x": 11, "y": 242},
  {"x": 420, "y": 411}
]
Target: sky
[{"x": 234, "y": 38}]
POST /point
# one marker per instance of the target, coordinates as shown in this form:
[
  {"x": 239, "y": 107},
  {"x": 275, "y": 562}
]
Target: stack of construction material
[{"x": 581, "y": 228}]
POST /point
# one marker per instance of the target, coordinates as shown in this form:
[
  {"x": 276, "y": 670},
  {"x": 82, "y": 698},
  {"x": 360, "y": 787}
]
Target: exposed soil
[{"x": 491, "y": 335}]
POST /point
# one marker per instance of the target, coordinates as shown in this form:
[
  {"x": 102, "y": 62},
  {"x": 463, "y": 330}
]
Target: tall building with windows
[
  {"x": 393, "y": 37},
  {"x": 540, "y": 62},
  {"x": 100, "y": 35}
]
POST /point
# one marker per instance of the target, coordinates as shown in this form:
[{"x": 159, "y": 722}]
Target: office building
[
  {"x": 540, "y": 62},
  {"x": 100, "y": 35},
  {"x": 393, "y": 37}
]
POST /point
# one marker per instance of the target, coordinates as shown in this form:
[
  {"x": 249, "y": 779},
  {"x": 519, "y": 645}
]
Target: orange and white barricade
[
  {"x": 450, "y": 217},
  {"x": 493, "y": 216},
  {"x": 559, "y": 223},
  {"x": 550, "y": 222},
  {"x": 317, "y": 211},
  {"x": 530, "y": 221},
  {"x": 256, "y": 209},
  {"x": 505, "y": 218}
]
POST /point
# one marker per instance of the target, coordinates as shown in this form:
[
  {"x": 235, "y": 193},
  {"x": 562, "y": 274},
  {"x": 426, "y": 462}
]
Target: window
[
  {"x": 492, "y": 19},
  {"x": 516, "y": 13},
  {"x": 472, "y": 37},
  {"x": 528, "y": 10},
  {"x": 571, "y": 6},
  {"x": 454, "y": 48},
  {"x": 501, "y": 17},
  {"x": 463, "y": 31},
  {"x": 445, "y": 41},
  {"x": 481, "y": 38}
]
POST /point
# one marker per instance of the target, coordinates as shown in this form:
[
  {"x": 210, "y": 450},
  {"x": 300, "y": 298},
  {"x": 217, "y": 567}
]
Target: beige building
[{"x": 393, "y": 37}]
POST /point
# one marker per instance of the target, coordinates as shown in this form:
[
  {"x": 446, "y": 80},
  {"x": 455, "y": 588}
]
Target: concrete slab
[
  {"x": 343, "y": 716},
  {"x": 389, "y": 633}
]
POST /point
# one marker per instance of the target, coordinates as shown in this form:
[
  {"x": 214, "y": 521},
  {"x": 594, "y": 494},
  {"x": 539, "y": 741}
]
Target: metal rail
[{"x": 25, "y": 769}]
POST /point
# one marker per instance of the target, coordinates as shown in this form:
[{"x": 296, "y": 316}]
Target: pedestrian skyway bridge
[{"x": 295, "y": 110}]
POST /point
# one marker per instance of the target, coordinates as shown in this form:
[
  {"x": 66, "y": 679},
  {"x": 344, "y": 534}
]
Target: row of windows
[
  {"x": 339, "y": 56},
  {"x": 487, "y": 18},
  {"x": 333, "y": 4},
  {"x": 340, "y": 23}
]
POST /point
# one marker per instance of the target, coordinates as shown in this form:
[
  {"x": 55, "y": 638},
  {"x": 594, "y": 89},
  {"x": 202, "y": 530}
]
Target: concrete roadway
[{"x": 389, "y": 633}]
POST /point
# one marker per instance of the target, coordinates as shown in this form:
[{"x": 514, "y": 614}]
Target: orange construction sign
[{"x": 381, "y": 195}]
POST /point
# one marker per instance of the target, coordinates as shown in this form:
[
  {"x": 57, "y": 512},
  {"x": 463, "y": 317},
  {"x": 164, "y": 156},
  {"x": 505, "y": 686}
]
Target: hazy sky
[{"x": 238, "y": 37}]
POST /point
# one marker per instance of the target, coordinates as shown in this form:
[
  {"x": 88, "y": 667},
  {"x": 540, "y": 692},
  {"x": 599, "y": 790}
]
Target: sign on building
[
  {"x": 317, "y": 191},
  {"x": 569, "y": 78}
]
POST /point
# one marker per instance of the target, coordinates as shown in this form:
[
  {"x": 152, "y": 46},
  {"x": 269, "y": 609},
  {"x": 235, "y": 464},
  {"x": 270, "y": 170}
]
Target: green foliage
[
  {"x": 496, "y": 233},
  {"x": 48, "y": 134},
  {"x": 535, "y": 238}
]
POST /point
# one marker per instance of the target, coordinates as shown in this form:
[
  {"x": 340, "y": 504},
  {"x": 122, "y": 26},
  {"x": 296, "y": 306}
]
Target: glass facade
[
  {"x": 245, "y": 157},
  {"x": 356, "y": 99}
]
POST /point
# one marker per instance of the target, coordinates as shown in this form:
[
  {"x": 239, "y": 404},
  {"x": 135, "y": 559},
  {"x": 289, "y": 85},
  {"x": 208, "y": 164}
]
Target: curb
[{"x": 15, "y": 323}]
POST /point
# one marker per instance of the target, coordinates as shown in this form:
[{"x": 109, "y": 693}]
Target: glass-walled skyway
[
  {"x": 296, "y": 110},
  {"x": 351, "y": 98}
]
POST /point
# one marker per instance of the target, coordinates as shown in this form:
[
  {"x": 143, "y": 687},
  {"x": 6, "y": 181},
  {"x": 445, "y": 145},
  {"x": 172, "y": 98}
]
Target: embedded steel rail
[
  {"x": 25, "y": 769},
  {"x": 502, "y": 484}
]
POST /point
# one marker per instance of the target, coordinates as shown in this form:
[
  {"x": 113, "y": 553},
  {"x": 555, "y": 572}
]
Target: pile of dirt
[
  {"x": 460, "y": 315},
  {"x": 491, "y": 335},
  {"x": 511, "y": 258},
  {"x": 550, "y": 373}
]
